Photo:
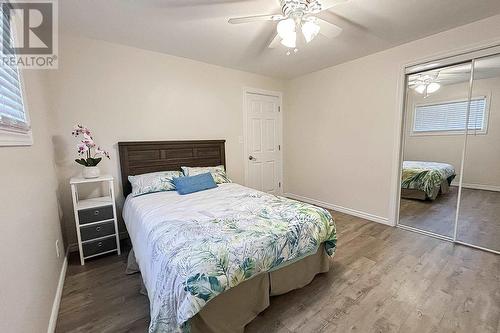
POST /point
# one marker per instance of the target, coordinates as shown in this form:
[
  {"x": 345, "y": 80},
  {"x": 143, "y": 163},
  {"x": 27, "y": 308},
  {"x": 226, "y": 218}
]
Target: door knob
[{"x": 251, "y": 158}]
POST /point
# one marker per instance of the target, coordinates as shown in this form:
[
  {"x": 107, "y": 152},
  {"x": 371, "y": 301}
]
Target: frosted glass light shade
[
  {"x": 290, "y": 42},
  {"x": 420, "y": 88},
  {"x": 286, "y": 28},
  {"x": 433, "y": 87},
  {"x": 310, "y": 30}
]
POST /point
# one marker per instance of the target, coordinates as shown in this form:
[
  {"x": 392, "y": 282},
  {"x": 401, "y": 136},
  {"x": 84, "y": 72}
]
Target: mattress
[
  {"x": 195, "y": 247},
  {"x": 426, "y": 176}
]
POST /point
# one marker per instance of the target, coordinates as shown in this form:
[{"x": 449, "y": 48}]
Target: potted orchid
[{"x": 90, "y": 154}]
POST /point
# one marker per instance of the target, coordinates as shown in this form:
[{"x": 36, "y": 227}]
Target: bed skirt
[
  {"x": 421, "y": 195},
  {"x": 231, "y": 311}
]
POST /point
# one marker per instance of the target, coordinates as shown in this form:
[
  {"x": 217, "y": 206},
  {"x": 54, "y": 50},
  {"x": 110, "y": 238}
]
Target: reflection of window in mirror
[{"x": 449, "y": 117}]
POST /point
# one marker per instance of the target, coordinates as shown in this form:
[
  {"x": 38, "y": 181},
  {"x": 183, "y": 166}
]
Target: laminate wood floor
[
  {"x": 478, "y": 223},
  {"x": 382, "y": 279}
]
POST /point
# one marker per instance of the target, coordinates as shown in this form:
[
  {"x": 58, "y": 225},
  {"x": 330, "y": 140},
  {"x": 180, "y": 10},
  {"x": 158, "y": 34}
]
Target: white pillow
[
  {"x": 153, "y": 182},
  {"x": 218, "y": 173}
]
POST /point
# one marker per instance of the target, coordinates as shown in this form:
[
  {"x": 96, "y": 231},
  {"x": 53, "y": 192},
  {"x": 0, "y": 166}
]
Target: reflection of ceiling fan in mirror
[
  {"x": 297, "y": 23},
  {"x": 431, "y": 81},
  {"x": 425, "y": 84}
]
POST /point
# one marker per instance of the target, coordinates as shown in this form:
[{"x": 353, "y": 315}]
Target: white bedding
[
  {"x": 142, "y": 213},
  {"x": 190, "y": 248}
]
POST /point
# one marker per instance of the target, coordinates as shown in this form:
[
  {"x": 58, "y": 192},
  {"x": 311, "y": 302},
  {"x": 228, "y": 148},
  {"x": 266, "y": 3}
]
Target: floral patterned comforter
[
  {"x": 194, "y": 247},
  {"x": 426, "y": 176}
]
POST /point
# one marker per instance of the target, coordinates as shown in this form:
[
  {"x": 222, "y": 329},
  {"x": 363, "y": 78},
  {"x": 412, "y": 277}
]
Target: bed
[
  {"x": 211, "y": 260},
  {"x": 425, "y": 180}
]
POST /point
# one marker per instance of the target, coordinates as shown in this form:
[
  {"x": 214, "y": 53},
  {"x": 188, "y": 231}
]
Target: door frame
[
  {"x": 279, "y": 95},
  {"x": 461, "y": 55}
]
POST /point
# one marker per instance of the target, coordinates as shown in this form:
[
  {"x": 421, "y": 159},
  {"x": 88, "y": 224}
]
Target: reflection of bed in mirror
[{"x": 423, "y": 180}]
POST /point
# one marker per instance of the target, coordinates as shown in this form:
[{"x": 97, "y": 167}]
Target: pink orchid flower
[
  {"x": 85, "y": 146},
  {"x": 82, "y": 148},
  {"x": 87, "y": 139}
]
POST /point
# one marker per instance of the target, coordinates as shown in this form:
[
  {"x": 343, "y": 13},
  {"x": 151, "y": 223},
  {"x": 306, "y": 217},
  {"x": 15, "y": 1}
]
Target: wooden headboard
[{"x": 151, "y": 156}]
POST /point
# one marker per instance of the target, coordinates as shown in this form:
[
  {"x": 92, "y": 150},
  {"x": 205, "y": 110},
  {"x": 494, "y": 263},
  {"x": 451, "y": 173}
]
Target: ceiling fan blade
[
  {"x": 274, "y": 42},
  {"x": 328, "y": 29},
  {"x": 256, "y": 18},
  {"x": 336, "y": 18}
]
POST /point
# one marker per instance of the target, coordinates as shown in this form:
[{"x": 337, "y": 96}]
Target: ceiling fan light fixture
[
  {"x": 297, "y": 24},
  {"x": 290, "y": 41},
  {"x": 420, "y": 88},
  {"x": 433, "y": 87},
  {"x": 286, "y": 29},
  {"x": 310, "y": 30}
]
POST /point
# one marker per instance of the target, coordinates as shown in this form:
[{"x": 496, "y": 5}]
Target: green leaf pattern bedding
[
  {"x": 425, "y": 176},
  {"x": 190, "y": 250}
]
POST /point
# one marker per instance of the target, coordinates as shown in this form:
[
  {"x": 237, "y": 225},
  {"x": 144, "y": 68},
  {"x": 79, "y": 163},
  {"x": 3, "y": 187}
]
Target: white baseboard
[
  {"x": 57, "y": 297},
  {"x": 478, "y": 186},
  {"x": 350, "y": 211}
]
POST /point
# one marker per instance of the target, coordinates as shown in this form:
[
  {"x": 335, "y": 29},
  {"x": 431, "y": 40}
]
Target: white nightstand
[{"x": 96, "y": 223}]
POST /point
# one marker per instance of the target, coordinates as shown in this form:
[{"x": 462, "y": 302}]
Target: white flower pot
[{"x": 91, "y": 172}]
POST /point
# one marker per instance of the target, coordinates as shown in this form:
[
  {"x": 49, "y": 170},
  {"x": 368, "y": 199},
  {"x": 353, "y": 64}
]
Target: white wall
[
  {"x": 29, "y": 222},
  {"x": 483, "y": 156},
  {"x": 124, "y": 93},
  {"x": 341, "y": 122}
]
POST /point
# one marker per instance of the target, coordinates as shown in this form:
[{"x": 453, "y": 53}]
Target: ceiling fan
[
  {"x": 425, "y": 83},
  {"x": 297, "y": 23}
]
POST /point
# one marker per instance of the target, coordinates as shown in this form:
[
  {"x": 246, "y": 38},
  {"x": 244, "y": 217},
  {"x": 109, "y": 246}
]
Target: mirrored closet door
[
  {"x": 450, "y": 168},
  {"x": 435, "y": 112},
  {"x": 479, "y": 207}
]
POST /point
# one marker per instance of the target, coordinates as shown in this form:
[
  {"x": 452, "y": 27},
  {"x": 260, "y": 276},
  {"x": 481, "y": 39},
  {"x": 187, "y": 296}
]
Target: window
[
  {"x": 14, "y": 120},
  {"x": 450, "y": 117}
]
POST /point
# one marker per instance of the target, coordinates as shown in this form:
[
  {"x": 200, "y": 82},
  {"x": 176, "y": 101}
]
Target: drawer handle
[
  {"x": 98, "y": 229},
  {"x": 99, "y": 244},
  {"x": 96, "y": 212}
]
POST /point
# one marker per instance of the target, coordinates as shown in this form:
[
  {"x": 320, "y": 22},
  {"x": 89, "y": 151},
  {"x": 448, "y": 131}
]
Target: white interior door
[{"x": 263, "y": 144}]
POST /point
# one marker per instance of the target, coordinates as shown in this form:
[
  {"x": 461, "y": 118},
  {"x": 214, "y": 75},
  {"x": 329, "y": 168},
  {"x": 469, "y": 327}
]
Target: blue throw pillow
[{"x": 191, "y": 184}]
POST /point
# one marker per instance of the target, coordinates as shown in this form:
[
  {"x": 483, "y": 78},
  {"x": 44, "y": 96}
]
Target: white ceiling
[{"x": 198, "y": 29}]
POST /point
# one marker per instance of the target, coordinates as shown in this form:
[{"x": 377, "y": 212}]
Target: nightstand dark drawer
[
  {"x": 95, "y": 214},
  {"x": 99, "y": 246},
  {"x": 97, "y": 230}
]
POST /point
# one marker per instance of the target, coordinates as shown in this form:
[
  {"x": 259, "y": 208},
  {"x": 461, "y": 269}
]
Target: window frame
[
  {"x": 483, "y": 131},
  {"x": 13, "y": 135}
]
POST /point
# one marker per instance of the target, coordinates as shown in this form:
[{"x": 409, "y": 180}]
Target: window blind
[
  {"x": 450, "y": 116},
  {"x": 12, "y": 112}
]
